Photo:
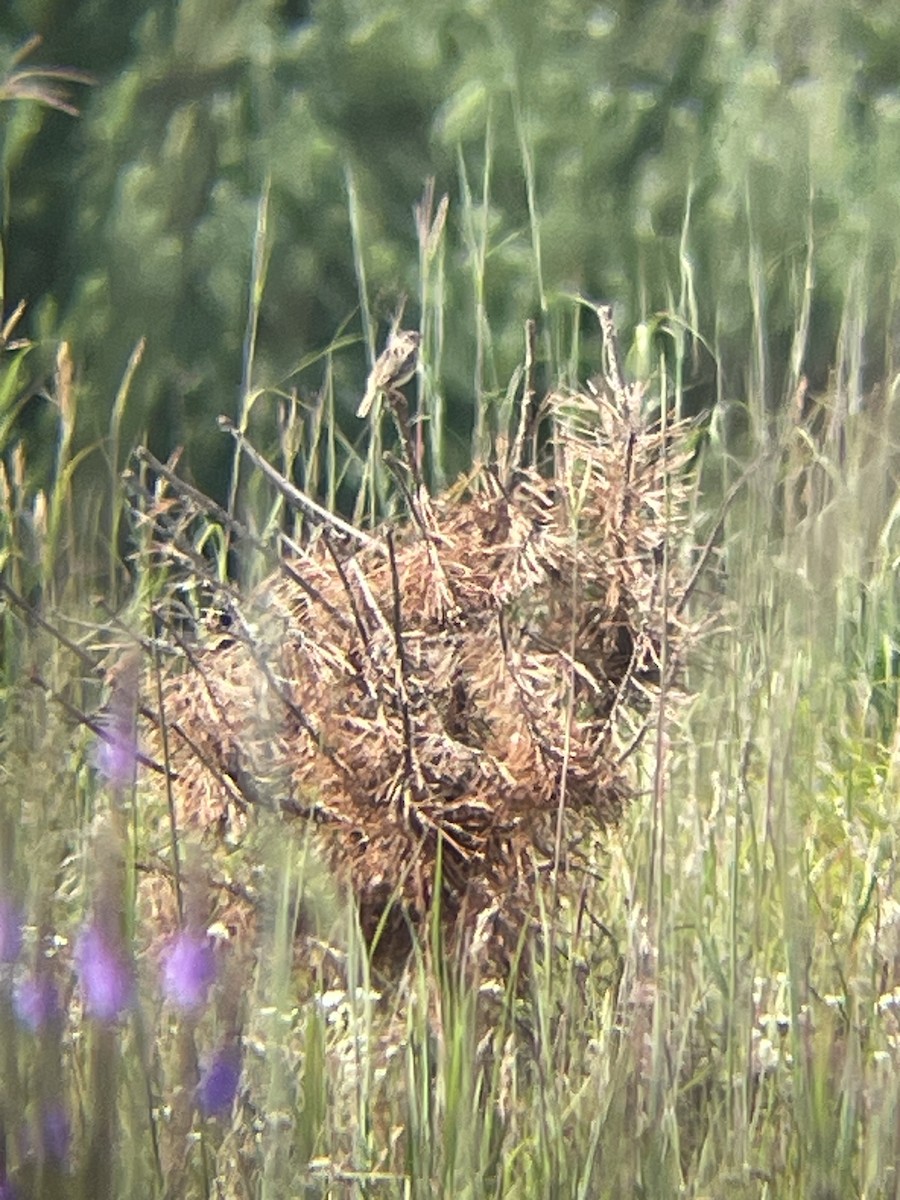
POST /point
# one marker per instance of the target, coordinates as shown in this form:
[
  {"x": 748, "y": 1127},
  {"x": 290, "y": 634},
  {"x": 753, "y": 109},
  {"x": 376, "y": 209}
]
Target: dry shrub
[{"x": 453, "y": 699}]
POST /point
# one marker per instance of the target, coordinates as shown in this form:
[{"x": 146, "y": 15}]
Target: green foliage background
[{"x": 670, "y": 156}]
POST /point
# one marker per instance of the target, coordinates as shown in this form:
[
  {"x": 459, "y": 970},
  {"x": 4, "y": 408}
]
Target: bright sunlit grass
[{"x": 720, "y": 1013}]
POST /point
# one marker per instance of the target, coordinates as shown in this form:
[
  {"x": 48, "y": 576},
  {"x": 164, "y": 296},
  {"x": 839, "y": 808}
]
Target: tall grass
[{"x": 718, "y": 1014}]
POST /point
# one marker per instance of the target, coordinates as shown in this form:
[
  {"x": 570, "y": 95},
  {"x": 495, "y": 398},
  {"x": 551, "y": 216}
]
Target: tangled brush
[{"x": 453, "y": 698}]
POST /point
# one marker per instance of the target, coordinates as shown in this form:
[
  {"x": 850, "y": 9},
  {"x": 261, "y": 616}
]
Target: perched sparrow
[{"x": 394, "y": 367}]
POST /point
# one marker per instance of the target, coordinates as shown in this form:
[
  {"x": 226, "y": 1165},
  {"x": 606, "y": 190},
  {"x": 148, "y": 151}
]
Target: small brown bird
[{"x": 394, "y": 367}]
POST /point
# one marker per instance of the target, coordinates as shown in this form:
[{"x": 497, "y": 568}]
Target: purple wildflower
[
  {"x": 105, "y": 975},
  {"x": 189, "y": 969},
  {"x": 36, "y": 1001},
  {"x": 219, "y": 1081},
  {"x": 116, "y": 754},
  {"x": 116, "y": 751},
  {"x": 50, "y": 1141},
  {"x": 57, "y": 1132},
  {"x": 10, "y": 930}
]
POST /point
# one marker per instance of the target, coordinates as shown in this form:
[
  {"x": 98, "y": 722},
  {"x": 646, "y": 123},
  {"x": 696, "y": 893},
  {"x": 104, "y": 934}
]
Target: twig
[
  {"x": 303, "y": 720},
  {"x": 294, "y": 496},
  {"x": 34, "y": 616},
  {"x": 94, "y": 726},
  {"x": 204, "y": 504},
  {"x": 614, "y": 375},
  {"x": 526, "y": 404},
  {"x": 170, "y": 793},
  {"x": 402, "y": 662}
]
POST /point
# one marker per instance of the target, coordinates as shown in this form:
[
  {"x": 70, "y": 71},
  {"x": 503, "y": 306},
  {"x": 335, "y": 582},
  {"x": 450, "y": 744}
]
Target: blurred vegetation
[
  {"x": 668, "y": 156},
  {"x": 725, "y": 172}
]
